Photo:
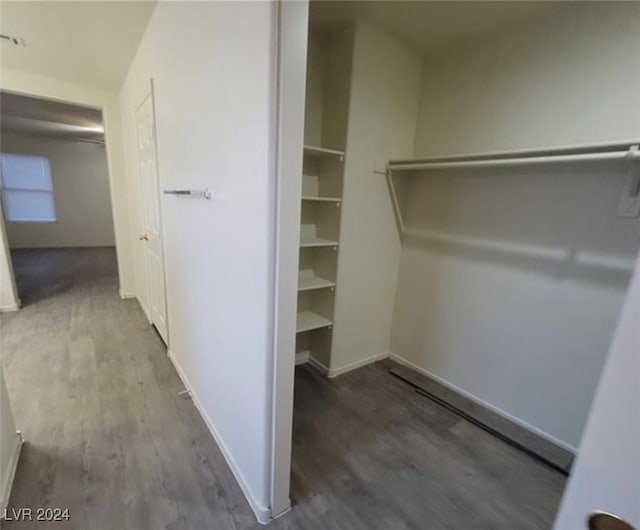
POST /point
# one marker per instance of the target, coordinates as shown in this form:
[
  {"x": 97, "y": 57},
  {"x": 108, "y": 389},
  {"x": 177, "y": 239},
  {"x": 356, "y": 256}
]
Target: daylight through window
[{"x": 27, "y": 189}]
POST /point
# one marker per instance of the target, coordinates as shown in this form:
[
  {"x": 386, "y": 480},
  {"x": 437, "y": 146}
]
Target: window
[{"x": 27, "y": 189}]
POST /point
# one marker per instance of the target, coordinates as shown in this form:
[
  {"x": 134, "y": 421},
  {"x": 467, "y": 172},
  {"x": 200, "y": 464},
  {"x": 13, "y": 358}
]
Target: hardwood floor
[
  {"x": 96, "y": 396},
  {"x": 371, "y": 453},
  {"x": 108, "y": 437}
]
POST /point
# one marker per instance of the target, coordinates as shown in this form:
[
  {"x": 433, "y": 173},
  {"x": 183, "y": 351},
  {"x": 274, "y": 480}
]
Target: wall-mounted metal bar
[{"x": 204, "y": 194}]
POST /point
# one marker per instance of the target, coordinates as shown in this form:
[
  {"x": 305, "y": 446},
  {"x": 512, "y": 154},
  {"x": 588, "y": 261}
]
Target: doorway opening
[
  {"x": 442, "y": 283},
  {"x": 57, "y": 215}
]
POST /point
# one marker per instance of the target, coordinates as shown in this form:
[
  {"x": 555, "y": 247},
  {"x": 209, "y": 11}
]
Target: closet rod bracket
[
  {"x": 629, "y": 205},
  {"x": 634, "y": 155},
  {"x": 395, "y": 202}
]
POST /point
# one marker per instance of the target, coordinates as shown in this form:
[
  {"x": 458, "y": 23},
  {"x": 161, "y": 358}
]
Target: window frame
[{"x": 49, "y": 191}]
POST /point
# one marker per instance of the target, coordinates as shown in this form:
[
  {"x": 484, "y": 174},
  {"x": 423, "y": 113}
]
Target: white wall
[
  {"x": 511, "y": 281},
  {"x": 9, "y": 445},
  {"x": 214, "y": 96},
  {"x": 382, "y": 118},
  {"x": 567, "y": 79},
  {"x": 81, "y": 190},
  {"x": 314, "y": 90},
  {"x": 46, "y": 87},
  {"x": 336, "y": 60}
]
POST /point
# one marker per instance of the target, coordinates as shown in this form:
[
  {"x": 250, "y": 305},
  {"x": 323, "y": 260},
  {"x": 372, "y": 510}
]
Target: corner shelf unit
[{"x": 321, "y": 205}]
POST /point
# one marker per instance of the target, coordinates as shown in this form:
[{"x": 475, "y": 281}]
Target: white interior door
[
  {"x": 606, "y": 475},
  {"x": 151, "y": 237}
]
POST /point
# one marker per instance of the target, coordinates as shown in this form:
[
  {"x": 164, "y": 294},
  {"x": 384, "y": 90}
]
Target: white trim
[
  {"x": 289, "y": 48},
  {"x": 11, "y": 307},
  {"x": 263, "y": 513},
  {"x": 280, "y": 514},
  {"x": 8, "y": 482},
  {"x": 335, "y": 372},
  {"x": 302, "y": 358},
  {"x": 126, "y": 296},
  {"x": 318, "y": 366},
  {"x": 535, "y": 430},
  {"x": 10, "y": 287}
]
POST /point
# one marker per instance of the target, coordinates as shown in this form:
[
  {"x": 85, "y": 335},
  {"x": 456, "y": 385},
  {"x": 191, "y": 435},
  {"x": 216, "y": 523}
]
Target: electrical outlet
[{"x": 629, "y": 205}]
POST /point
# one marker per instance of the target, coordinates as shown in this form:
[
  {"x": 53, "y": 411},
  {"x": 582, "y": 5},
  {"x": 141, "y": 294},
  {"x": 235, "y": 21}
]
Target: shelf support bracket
[
  {"x": 629, "y": 205},
  {"x": 396, "y": 204}
]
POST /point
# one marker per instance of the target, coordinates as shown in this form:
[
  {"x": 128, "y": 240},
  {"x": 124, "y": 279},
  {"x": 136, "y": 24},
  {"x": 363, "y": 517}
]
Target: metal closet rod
[{"x": 590, "y": 153}]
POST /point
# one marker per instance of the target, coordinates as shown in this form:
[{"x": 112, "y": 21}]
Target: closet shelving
[
  {"x": 308, "y": 321},
  {"x": 323, "y": 165},
  {"x": 312, "y": 241},
  {"x": 319, "y": 241},
  {"x": 623, "y": 151},
  {"x": 307, "y": 281}
]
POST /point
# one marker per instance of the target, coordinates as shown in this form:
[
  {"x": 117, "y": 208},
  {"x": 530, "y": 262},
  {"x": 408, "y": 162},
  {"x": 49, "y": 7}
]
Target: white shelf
[
  {"x": 321, "y": 199},
  {"x": 317, "y": 242},
  {"x": 322, "y": 151},
  {"x": 302, "y": 358},
  {"x": 308, "y": 320},
  {"x": 308, "y": 282}
]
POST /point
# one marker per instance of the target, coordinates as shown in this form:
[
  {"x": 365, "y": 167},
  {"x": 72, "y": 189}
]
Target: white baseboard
[
  {"x": 11, "y": 307},
  {"x": 302, "y": 358},
  {"x": 125, "y": 296},
  {"x": 283, "y": 512},
  {"x": 262, "y": 513},
  {"x": 8, "y": 481},
  {"x": 482, "y": 403},
  {"x": 335, "y": 372},
  {"x": 318, "y": 366}
]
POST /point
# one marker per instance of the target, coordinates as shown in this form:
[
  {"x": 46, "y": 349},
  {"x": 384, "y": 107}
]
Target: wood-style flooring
[{"x": 108, "y": 437}]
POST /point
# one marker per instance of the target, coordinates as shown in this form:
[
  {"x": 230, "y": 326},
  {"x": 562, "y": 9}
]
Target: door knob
[
  {"x": 607, "y": 521},
  {"x": 143, "y": 237}
]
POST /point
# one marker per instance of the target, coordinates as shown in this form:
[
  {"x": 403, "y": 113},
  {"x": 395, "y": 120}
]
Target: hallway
[
  {"x": 106, "y": 434},
  {"x": 108, "y": 437}
]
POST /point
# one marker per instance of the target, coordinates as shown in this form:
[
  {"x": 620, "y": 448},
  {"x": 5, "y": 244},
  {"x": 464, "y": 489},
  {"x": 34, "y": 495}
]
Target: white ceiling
[
  {"x": 41, "y": 117},
  {"x": 88, "y": 42},
  {"x": 428, "y": 26},
  {"x": 93, "y": 42}
]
